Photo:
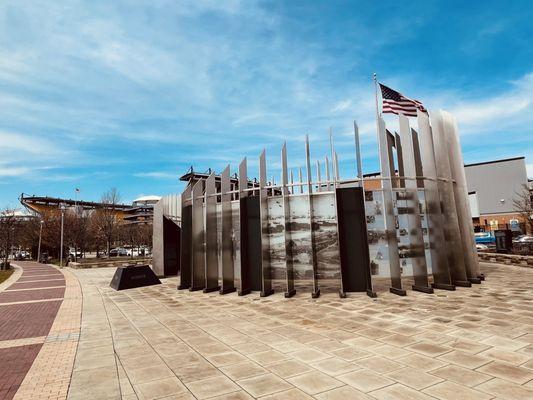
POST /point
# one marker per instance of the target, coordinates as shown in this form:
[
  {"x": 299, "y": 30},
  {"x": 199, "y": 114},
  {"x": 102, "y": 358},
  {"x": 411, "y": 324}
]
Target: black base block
[
  {"x": 399, "y": 292},
  {"x": 442, "y": 286},
  {"x": 265, "y": 294},
  {"x": 462, "y": 283},
  {"x": 371, "y": 293},
  {"x": 213, "y": 289},
  {"x": 423, "y": 289},
  {"x": 182, "y": 287},
  {"x": 342, "y": 294},
  {"x": 196, "y": 288},
  {"x": 481, "y": 277},
  {"x": 133, "y": 276},
  {"x": 315, "y": 295},
  {"x": 227, "y": 290},
  {"x": 244, "y": 292},
  {"x": 290, "y": 293},
  {"x": 474, "y": 280}
]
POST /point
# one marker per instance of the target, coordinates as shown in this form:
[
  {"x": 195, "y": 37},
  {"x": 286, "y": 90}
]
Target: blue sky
[{"x": 129, "y": 94}]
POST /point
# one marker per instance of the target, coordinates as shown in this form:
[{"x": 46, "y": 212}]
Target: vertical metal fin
[
  {"x": 228, "y": 273},
  {"x": 198, "y": 237},
  {"x": 289, "y": 262},
  {"x": 313, "y": 255},
  {"x": 451, "y": 224},
  {"x": 416, "y": 239},
  {"x": 266, "y": 281},
  {"x": 211, "y": 248},
  {"x": 435, "y": 218},
  {"x": 390, "y": 225},
  {"x": 186, "y": 240}
]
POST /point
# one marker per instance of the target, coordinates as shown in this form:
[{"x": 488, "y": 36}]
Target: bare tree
[
  {"x": 523, "y": 205},
  {"x": 8, "y": 224},
  {"x": 106, "y": 219}
]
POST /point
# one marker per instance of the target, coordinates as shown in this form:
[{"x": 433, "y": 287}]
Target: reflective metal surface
[
  {"x": 416, "y": 239},
  {"x": 289, "y": 244},
  {"x": 211, "y": 250},
  {"x": 464, "y": 214},
  {"x": 435, "y": 220},
  {"x": 451, "y": 224},
  {"x": 198, "y": 237},
  {"x": 228, "y": 277},
  {"x": 312, "y": 250},
  {"x": 266, "y": 282},
  {"x": 390, "y": 225}
]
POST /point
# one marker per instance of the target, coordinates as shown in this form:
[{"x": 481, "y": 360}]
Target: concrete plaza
[{"x": 158, "y": 343}]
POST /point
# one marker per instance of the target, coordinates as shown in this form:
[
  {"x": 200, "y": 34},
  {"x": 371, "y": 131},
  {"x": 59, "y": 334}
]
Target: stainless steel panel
[
  {"x": 318, "y": 176},
  {"x": 243, "y": 272},
  {"x": 416, "y": 238},
  {"x": 358, "y": 153},
  {"x": 391, "y": 143},
  {"x": 289, "y": 261},
  {"x": 435, "y": 218},
  {"x": 243, "y": 178},
  {"x": 300, "y": 179},
  {"x": 328, "y": 175},
  {"x": 228, "y": 273},
  {"x": 211, "y": 248},
  {"x": 198, "y": 236},
  {"x": 400, "y": 160},
  {"x": 266, "y": 281},
  {"x": 337, "y": 173},
  {"x": 390, "y": 226},
  {"x": 451, "y": 224},
  {"x": 418, "y": 160},
  {"x": 462, "y": 203},
  {"x": 313, "y": 250},
  {"x": 186, "y": 240}
]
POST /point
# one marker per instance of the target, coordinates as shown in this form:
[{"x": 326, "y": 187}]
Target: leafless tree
[
  {"x": 8, "y": 224},
  {"x": 523, "y": 205},
  {"x": 105, "y": 218}
]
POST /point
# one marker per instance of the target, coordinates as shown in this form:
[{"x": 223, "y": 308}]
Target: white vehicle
[{"x": 481, "y": 247}]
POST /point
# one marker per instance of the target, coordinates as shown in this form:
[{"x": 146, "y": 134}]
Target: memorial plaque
[{"x": 133, "y": 276}]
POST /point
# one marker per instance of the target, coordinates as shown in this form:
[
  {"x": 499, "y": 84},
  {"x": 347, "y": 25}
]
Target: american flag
[{"x": 396, "y": 103}]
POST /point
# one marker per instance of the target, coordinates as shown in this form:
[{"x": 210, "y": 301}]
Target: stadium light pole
[{"x": 62, "y": 207}]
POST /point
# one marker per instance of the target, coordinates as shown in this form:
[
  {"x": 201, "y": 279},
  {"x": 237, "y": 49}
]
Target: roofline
[{"x": 495, "y": 161}]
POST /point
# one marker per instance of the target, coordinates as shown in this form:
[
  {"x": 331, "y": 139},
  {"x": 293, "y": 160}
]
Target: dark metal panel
[
  {"x": 451, "y": 224},
  {"x": 266, "y": 279},
  {"x": 416, "y": 239},
  {"x": 313, "y": 256},
  {"x": 399, "y": 157},
  {"x": 435, "y": 218},
  {"x": 358, "y": 153},
  {"x": 289, "y": 262},
  {"x": 211, "y": 249},
  {"x": 353, "y": 241},
  {"x": 198, "y": 237},
  {"x": 390, "y": 226},
  {"x": 186, "y": 240},
  {"x": 228, "y": 274}
]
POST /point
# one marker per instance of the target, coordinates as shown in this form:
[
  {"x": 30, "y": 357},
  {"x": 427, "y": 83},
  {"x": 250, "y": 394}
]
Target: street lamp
[
  {"x": 62, "y": 207},
  {"x": 40, "y": 236}
]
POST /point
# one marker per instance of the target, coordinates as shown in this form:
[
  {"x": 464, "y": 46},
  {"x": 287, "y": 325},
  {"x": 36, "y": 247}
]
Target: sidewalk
[{"x": 39, "y": 329}]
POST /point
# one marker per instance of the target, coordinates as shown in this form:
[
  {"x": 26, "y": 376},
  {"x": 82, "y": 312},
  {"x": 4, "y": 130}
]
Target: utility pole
[{"x": 39, "y": 247}]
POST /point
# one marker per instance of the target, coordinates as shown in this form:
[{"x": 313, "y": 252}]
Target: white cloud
[
  {"x": 13, "y": 171},
  {"x": 157, "y": 175}
]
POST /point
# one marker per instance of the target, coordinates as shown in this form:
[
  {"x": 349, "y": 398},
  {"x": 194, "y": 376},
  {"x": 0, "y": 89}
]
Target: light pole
[
  {"x": 62, "y": 207},
  {"x": 39, "y": 247}
]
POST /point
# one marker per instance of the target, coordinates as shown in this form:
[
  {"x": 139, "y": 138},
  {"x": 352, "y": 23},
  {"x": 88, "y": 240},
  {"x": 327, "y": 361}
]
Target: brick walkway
[{"x": 36, "y": 354}]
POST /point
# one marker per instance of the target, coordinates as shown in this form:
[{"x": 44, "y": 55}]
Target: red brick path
[{"x": 27, "y": 319}]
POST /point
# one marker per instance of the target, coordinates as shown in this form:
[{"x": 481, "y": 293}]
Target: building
[{"x": 493, "y": 186}]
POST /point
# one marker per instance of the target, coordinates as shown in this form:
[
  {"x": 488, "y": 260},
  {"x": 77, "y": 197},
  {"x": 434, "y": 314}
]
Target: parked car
[
  {"x": 74, "y": 254},
  {"x": 480, "y": 246},
  {"x": 44, "y": 257},
  {"x": 22, "y": 255},
  {"x": 523, "y": 239},
  {"x": 119, "y": 251},
  {"x": 484, "y": 238}
]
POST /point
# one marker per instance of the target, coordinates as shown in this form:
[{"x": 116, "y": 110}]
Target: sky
[{"x": 129, "y": 94}]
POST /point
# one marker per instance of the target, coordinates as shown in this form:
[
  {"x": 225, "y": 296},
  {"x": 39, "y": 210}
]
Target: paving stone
[
  {"x": 452, "y": 391},
  {"x": 314, "y": 382},
  {"x": 263, "y": 385},
  {"x": 343, "y": 393},
  {"x": 365, "y": 381},
  {"x": 508, "y": 372}
]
